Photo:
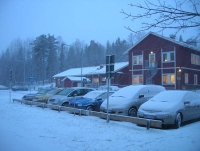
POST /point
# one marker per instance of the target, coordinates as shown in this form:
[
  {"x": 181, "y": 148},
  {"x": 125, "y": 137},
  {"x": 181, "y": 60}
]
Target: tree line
[{"x": 45, "y": 56}]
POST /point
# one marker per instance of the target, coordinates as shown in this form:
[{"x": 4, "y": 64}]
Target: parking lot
[{"x": 33, "y": 128}]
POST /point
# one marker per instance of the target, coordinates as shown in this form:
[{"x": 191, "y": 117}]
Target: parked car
[
  {"x": 127, "y": 100},
  {"x": 19, "y": 88},
  {"x": 91, "y": 101},
  {"x": 111, "y": 88},
  {"x": 43, "y": 98},
  {"x": 65, "y": 96},
  {"x": 2, "y": 87},
  {"x": 172, "y": 107},
  {"x": 29, "y": 97}
]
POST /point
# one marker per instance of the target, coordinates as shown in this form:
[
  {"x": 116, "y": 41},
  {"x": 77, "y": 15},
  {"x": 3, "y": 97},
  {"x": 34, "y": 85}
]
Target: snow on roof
[
  {"x": 89, "y": 70},
  {"x": 166, "y": 38},
  {"x": 77, "y": 78}
]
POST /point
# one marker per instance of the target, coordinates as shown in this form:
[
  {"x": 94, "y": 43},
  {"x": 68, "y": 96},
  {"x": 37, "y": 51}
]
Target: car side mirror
[
  {"x": 141, "y": 96},
  {"x": 99, "y": 98}
]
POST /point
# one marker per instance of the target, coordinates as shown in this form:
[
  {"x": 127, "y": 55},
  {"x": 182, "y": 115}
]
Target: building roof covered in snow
[{"x": 90, "y": 70}]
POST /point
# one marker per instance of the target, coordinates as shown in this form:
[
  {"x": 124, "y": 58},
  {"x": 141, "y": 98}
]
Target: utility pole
[{"x": 109, "y": 74}]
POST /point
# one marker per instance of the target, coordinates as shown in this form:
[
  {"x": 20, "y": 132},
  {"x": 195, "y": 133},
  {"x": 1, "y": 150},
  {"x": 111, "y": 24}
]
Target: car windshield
[
  {"x": 92, "y": 94},
  {"x": 65, "y": 92},
  {"x": 127, "y": 92},
  {"x": 42, "y": 91},
  {"x": 52, "y": 91},
  {"x": 169, "y": 96}
]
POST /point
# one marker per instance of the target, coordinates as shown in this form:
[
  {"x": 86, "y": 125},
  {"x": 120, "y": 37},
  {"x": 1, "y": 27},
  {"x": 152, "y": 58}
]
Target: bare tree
[
  {"x": 166, "y": 16},
  {"x": 133, "y": 38}
]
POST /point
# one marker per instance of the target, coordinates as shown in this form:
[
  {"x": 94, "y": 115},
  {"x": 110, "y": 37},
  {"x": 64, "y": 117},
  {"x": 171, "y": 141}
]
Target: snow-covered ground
[{"x": 26, "y": 128}]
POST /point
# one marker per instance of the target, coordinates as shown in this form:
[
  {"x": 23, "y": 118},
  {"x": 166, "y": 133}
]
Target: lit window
[
  {"x": 96, "y": 80},
  {"x": 168, "y": 79},
  {"x": 195, "y": 59},
  {"x": 135, "y": 80},
  {"x": 165, "y": 79},
  {"x": 137, "y": 60},
  {"x": 138, "y": 79},
  {"x": 134, "y": 60},
  {"x": 172, "y": 78}
]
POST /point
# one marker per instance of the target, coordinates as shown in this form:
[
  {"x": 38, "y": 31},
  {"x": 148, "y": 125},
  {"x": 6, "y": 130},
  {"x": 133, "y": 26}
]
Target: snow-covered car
[
  {"x": 127, "y": 100},
  {"x": 43, "y": 98},
  {"x": 172, "y": 107},
  {"x": 29, "y": 97},
  {"x": 19, "y": 88},
  {"x": 65, "y": 96},
  {"x": 111, "y": 88},
  {"x": 2, "y": 87},
  {"x": 91, "y": 101}
]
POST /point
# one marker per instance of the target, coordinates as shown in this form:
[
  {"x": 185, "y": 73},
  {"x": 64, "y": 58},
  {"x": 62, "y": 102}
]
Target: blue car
[{"x": 90, "y": 101}]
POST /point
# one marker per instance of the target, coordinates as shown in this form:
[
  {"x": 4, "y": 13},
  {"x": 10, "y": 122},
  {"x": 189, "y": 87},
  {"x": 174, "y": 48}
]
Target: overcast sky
[{"x": 86, "y": 20}]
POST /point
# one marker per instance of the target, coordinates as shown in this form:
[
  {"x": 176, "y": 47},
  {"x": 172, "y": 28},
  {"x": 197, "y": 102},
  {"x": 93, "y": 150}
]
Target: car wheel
[
  {"x": 178, "y": 121},
  {"x": 65, "y": 104},
  {"x": 132, "y": 112},
  {"x": 90, "y": 108}
]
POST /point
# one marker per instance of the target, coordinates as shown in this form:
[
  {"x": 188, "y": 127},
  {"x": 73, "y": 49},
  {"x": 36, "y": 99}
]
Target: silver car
[
  {"x": 65, "y": 96},
  {"x": 127, "y": 100},
  {"x": 172, "y": 107}
]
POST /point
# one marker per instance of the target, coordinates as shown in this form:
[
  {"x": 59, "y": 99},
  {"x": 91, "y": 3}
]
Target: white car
[
  {"x": 127, "y": 100},
  {"x": 172, "y": 107},
  {"x": 111, "y": 88}
]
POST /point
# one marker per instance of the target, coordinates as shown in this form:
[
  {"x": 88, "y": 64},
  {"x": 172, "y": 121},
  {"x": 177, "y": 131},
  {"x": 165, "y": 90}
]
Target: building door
[{"x": 152, "y": 60}]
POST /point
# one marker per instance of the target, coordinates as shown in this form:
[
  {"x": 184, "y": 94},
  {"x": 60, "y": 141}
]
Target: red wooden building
[
  {"x": 159, "y": 60},
  {"x": 93, "y": 76}
]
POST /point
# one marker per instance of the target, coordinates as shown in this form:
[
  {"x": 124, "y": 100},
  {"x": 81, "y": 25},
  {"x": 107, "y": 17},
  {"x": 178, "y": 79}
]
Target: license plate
[{"x": 149, "y": 116}]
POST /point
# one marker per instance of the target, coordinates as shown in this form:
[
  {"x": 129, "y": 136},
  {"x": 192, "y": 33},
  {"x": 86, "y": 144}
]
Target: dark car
[
  {"x": 20, "y": 88},
  {"x": 90, "y": 101},
  {"x": 2, "y": 87},
  {"x": 30, "y": 97}
]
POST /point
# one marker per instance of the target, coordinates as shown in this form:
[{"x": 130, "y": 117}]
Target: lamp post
[{"x": 179, "y": 77}]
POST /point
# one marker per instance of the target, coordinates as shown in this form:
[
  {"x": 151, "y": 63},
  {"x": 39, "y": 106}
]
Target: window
[
  {"x": 172, "y": 78},
  {"x": 138, "y": 79},
  {"x": 195, "y": 79},
  {"x": 168, "y": 56},
  {"x": 168, "y": 78},
  {"x": 195, "y": 59},
  {"x": 96, "y": 80},
  {"x": 138, "y": 60},
  {"x": 186, "y": 78}
]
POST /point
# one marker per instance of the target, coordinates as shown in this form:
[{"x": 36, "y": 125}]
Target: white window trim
[
  {"x": 168, "y": 57},
  {"x": 138, "y": 79},
  {"x": 168, "y": 77},
  {"x": 186, "y": 75},
  {"x": 138, "y": 60},
  {"x": 197, "y": 61},
  {"x": 195, "y": 79}
]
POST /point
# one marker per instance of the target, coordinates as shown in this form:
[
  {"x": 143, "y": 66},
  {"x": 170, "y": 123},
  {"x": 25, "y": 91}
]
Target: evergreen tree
[
  {"x": 180, "y": 38},
  {"x": 51, "y": 48}
]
